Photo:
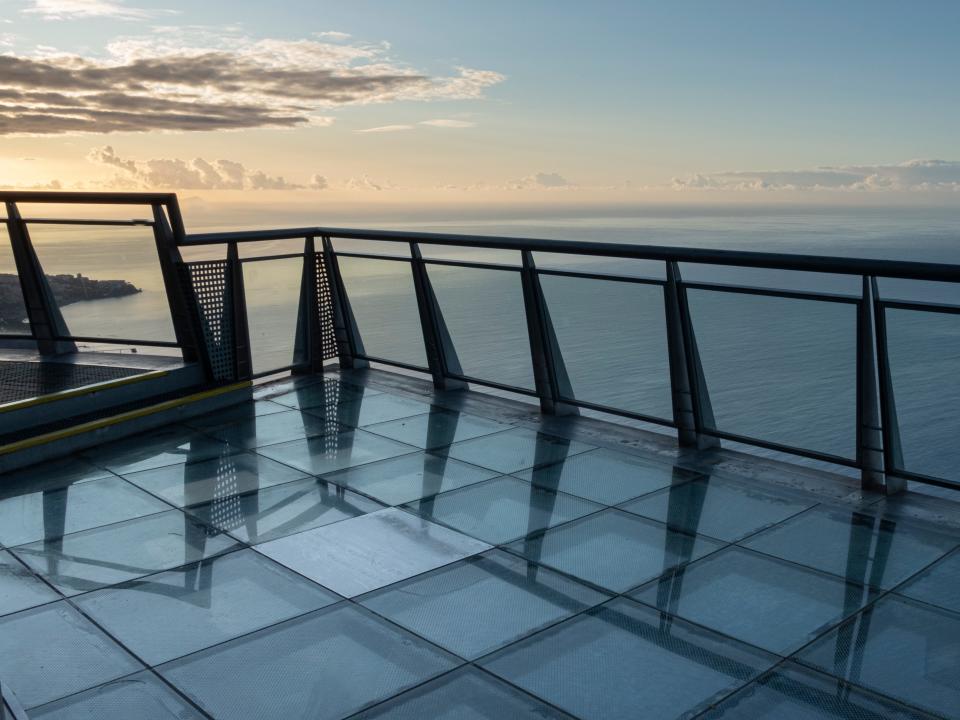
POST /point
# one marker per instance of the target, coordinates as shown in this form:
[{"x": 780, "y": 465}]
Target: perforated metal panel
[
  {"x": 328, "y": 338},
  {"x": 226, "y": 512},
  {"x": 213, "y": 299}
]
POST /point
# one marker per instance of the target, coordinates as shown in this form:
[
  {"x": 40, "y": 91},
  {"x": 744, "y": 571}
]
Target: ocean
[{"x": 781, "y": 370}]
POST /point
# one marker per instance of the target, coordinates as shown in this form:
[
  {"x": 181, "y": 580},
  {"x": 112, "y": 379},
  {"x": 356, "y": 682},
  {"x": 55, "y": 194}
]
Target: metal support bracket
[
  {"x": 186, "y": 325},
  {"x": 883, "y": 383},
  {"x": 549, "y": 371},
  {"x": 308, "y": 346},
  {"x": 692, "y": 410},
  {"x": 441, "y": 354},
  {"x": 46, "y": 321},
  {"x": 242, "y": 350},
  {"x": 349, "y": 343}
]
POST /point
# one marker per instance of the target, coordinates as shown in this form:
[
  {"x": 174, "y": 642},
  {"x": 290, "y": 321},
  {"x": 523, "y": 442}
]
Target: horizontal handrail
[
  {"x": 93, "y": 198},
  {"x": 905, "y": 269}
]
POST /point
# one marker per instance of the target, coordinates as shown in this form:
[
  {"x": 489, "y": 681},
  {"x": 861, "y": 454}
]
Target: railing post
[
  {"x": 549, "y": 371},
  {"x": 889, "y": 425},
  {"x": 308, "y": 350},
  {"x": 692, "y": 410},
  {"x": 186, "y": 326},
  {"x": 441, "y": 354},
  {"x": 349, "y": 343},
  {"x": 243, "y": 359},
  {"x": 46, "y": 321}
]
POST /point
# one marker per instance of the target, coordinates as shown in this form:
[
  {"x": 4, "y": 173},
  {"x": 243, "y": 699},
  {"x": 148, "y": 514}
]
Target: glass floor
[{"x": 337, "y": 549}]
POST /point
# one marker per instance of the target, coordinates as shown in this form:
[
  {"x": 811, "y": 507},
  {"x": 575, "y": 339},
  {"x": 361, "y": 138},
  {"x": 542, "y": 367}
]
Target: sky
[{"x": 453, "y": 102}]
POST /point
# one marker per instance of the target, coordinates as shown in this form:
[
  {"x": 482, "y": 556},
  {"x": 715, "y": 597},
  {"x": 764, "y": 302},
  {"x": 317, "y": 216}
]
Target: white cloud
[
  {"x": 319, "y": 182},
  {"x": 177, "y": 174},
  {"x": 199, "y": 80},
  {"x": 82, "y": 9},
  {"x": 447, "y": 123},
  {"x": 386, "y": 129},
  {"x": 910, "y": 176},
  {"x": 363, "y": 183},
  {"x": 334, "y": 35}
]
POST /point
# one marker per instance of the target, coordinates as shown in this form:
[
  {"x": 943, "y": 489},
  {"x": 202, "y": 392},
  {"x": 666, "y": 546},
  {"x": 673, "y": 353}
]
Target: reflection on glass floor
[{"x": 336, "y": 550}]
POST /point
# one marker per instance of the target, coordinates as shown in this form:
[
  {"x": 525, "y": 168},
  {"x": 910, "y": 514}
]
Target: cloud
[
  {"x": 913, "y": 175},
  {"x": 176, "y": 174},
  {"x": 225, "y": 82},
  {"x": 334, "y": 35},
  {"x": 319, "y": 182},
  {"x": 445, "y": 123},
  {"x": 82, "y": 9},
  {"x": 363, "y": 183},
  {"x": 386, "y": 129}
]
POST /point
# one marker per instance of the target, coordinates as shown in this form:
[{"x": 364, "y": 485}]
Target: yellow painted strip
[
  {"x": 85, "y": 390},
  {"x": 117, "y": 419}
]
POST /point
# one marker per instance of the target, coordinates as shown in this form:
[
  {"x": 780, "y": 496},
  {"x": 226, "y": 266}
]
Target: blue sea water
[{"x": 781, "y": 370}]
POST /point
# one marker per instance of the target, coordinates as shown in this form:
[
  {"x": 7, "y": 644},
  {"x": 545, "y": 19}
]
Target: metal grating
[
  {"x": 210, "y": 282},
  {"x": 328, "y": 338},
  {"x": 24, "y": 380}
]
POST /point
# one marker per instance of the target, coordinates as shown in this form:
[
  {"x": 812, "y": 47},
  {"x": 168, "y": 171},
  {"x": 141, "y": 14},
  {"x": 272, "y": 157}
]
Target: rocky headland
[{"x": 67, "y": 289}]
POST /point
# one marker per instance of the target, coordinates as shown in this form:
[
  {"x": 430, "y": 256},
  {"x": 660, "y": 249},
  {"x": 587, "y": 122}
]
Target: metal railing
[{"x": 327, "y": 329}]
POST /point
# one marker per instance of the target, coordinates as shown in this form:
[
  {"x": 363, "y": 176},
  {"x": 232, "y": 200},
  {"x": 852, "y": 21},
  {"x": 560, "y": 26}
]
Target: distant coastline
[{"x": 67, "y": 289}]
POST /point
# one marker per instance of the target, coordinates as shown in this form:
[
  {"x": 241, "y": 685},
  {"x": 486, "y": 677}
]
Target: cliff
[{"x": 67, "y": 289}]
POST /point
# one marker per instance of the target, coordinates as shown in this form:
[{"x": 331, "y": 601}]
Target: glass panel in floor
[
  {"x": 52, "y": 513},
  {"x": 859, "y": 546},
  {"x": 274, "y": 428},
  {"x": 328, "y": 664},
  {"x": 329, "y": 453},
  {"x": 142, "y": 696},
  {"x": 758, "y": 599},
  {"x": 224, "y": 476},
  {"x": 368, "y": 552},
  {"x": 792, "y": 692},
  {"x": 165, "y": 616},
  {"x": 719, "y": 507},
  {"x": 622, "y": 660},
  {"x": 900, "y": 648},
  {"x": 613, "y": 549},
  {"x": 464, "y": 693},
  {"x": 19, "y": 588},
  {"x": 483, "y": 603},
  {"x": 607, "y": 477},
  {"x": 501, "y": 510},
  {"x": 52, "y": 651},
  {"x": 438, "y": 428},
  {"x": 283, "y": 510},
  {"x": 105, "y": 556},
  {"x": 410, "y": 477},
  {"x": 169, "y": 445},
  {"x": 514, "y": 450},
  {"x": 938, "y": 585}
]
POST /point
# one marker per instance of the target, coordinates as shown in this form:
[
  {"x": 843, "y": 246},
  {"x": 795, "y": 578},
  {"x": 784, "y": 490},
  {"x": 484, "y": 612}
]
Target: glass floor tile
[
  {"x": 614, "y": 550},
  {"x": 201, "y": 605},
  {"x": 514, "y": 450},
  {"x": 410, "y": 477},
  {"x": 328, "y": 664},
  {"x": 167, "y": 446},
  {"x": 50, "y": 475},
  {"x": 95, "y": 558},
  {"x": 900, "y": 648},
  {"x": 938, "y": 585},
  {"x": 607, "y": 477},
  {"x": 141, "y": 696},
  {"x": 791, "y": 692},
  {"x": 464, "y": 694},
  {"x": 769, "y": 603},
  {"x": 718, "y": 507},
  {"x": 483, "y": 603},
  {"x": 368, "y": 552},
  {"x": 19, "y": 588},
  {"x": 327, "y": 454},
  {"x": 283, "y": 510},
  {"x": 359, "y": 412},
  {"x": 437, "y": 429},
  {"x": 52, "y": 513},
  {"x": 274, "y": 389},
  {"x": 218, "y": 478},
  {"x": 52, "y": 651},
  {"x": 620, "y": 657},
  {"x": 859, "y": 546},
  {"x": 234, "y": 414},
  {"x": 274, "y": 428},
  {"x": 498, "y": 511},
  {"x": 323, "y": 394}
]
